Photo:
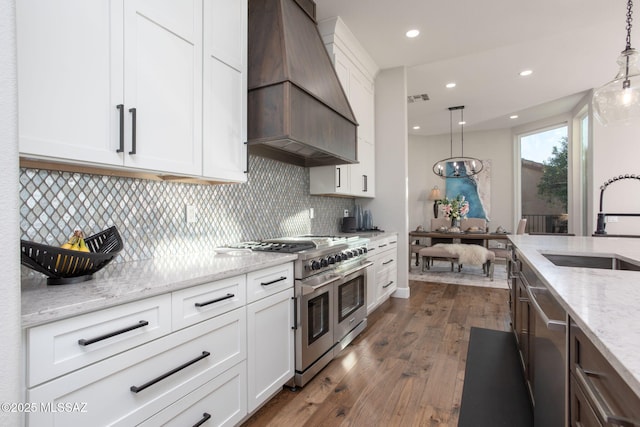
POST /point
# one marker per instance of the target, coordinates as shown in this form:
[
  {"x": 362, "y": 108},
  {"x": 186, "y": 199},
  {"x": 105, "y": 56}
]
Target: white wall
[
  {"x": 10, "y": 349},
  {"x": 616, "y": 151},
  {"x": 496, "y": 146},
  {"x": 389, "y": 208}
]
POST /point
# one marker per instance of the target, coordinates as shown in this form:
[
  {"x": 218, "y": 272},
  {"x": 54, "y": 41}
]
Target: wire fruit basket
[{"x": 65, "y": 266}]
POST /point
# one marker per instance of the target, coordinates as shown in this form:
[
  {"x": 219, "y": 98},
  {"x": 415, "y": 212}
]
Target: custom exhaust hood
[{"x": 297, "y": 110}]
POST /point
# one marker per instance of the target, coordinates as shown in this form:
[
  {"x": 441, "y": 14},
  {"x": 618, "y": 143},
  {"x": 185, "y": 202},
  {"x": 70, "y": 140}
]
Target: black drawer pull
[
  {"x": 273, "y": 281},
  {"x": 387, "y": 262},
  {"x": 203, "y": 420},
  {"x": 295, "y": 313},
  {"x": 133, "y": 130},
  {"x": 113, "y": 334},
  {"x": 247, "y": 153},
  {"x": 382, "y": 246},
  {"x": 120, "y": 108},
  {"x": 387, "y": 285},
  {"x": 202, "y": 304},
  {"x": 136, "y": 389}
]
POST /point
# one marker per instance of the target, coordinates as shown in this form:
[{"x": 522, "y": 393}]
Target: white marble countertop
[
  {"x": 604, "y": 303},
  {"x": 119, "y": 283}
]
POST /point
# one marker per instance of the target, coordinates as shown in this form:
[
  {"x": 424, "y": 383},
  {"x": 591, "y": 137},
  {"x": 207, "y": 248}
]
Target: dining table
[{"x": 415, "y": 237}]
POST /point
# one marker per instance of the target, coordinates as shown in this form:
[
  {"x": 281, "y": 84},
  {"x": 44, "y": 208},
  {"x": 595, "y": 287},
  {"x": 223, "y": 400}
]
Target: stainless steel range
[{"x": 330, "y": 295}]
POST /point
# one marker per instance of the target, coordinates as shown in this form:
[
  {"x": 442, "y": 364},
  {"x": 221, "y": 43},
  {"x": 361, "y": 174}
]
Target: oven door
[
  {"x": 314, "y": 333},
  {"x": 351, "y": 303}
]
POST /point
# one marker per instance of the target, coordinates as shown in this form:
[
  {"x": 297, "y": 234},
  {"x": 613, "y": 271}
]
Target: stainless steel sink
[{"x": 592, "y": 261}]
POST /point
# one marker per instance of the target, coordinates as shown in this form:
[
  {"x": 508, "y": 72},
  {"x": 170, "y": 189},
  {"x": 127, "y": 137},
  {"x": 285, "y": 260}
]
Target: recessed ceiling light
[
  {"x": 462, "y": 123},
  {"x": 416, "y": 127},
  {"x": 515, "y": 116},
  {"x": 450, "y": 85},
  {"x": 412, "y": 33},
  {"x": 526, "y": 73}
]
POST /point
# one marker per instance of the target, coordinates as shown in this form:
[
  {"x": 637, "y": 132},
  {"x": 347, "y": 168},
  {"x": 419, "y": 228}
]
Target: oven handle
[
  {"x": 366, "y": 264},
  {"x": 308, "y": 289}
]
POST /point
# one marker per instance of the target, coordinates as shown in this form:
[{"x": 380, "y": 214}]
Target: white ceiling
[{"x": 571, "y": 46}]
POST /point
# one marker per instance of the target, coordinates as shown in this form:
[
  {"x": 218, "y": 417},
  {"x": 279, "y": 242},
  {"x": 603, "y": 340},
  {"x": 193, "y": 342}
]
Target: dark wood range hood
[{"x": 297, "y": 110}]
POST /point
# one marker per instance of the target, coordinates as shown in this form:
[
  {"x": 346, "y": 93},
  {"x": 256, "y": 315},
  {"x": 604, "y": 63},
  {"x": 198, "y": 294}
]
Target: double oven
[{"x": 330, "y": 296}]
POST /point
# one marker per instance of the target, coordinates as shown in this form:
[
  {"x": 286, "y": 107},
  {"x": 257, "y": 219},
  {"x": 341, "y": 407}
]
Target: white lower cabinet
[
  {"x": 220, "y": 402},
  {"x": 130, "y": 387},
  {"x": 198, "y": 356},
  {"x": 270, "y": 337},
  {"x": 384, "y": 280}
]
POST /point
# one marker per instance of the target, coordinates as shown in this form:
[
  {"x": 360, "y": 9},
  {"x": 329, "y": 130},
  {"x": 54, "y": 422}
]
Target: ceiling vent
[{"x": 417, "y": 98}]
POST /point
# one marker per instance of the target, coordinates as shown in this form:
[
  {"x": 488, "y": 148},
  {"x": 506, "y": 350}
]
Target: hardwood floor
[{"x": 405, "y": 369}]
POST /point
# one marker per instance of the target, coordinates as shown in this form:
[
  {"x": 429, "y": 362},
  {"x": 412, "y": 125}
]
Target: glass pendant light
[
  {"x": 461, "y": 166},
  {"x": 618, "y": 102}
]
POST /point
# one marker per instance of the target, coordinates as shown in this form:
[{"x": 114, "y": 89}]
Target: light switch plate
[{"x": 190, "y": 214}]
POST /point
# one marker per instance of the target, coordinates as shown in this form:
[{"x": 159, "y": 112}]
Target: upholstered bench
[{"x": 460, "y": 253}]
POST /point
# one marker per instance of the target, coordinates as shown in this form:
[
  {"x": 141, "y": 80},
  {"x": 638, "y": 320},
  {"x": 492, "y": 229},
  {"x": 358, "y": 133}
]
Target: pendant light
[
  {"x": 457, "y": 167},
  {"x": 618, "y": 102}
]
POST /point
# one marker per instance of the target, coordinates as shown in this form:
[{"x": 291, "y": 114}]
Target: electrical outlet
[
  {"x": 190, "y": 214},
  {"x": 311, "y": 213},
  {"x": 345, "y": 213}
]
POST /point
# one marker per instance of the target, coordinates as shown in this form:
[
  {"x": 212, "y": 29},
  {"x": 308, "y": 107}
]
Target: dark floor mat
[{"x": 494, "y": 392}]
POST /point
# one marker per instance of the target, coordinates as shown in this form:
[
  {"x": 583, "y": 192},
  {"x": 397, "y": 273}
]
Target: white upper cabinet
[
  {"x": 163, "y": 82},
  {"x": 120, "y": 84},
  {"x": 356, "y": 72},
  {"x": 225, "y": 89},
  {"x": 70, "y": 78}
]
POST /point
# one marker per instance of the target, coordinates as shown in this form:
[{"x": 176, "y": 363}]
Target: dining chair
[
  {"x": 479, "y": 223},
  {"x": 505, "y": 253}
]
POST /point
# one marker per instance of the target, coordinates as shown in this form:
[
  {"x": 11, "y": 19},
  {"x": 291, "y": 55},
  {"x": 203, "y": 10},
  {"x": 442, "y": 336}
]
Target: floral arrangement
[{"x": 454, "y": 208}]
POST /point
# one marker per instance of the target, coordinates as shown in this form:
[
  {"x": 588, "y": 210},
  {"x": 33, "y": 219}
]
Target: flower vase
[{"x": 455, "y": 222}]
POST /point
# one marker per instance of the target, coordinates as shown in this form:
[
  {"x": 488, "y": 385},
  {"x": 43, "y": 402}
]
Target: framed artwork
[{"x": 476, "y": 189}]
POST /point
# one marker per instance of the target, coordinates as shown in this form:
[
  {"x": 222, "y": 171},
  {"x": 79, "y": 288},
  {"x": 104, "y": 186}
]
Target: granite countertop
[
  {"x": 119, "y": 283},
  {"x": 604, "y": 303}
]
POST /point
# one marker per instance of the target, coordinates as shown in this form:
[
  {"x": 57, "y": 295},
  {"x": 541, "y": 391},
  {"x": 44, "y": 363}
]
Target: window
[{"x": 544, "y": 180}]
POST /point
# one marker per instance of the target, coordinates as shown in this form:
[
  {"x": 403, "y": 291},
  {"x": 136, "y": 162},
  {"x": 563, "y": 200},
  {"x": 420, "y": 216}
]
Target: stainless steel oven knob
[{"x": 315, "y": 265}]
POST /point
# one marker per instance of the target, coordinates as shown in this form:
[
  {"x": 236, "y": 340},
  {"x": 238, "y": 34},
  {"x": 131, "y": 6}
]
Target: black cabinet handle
[
  {"x": 120, "y": 108},
  {"x": 137, "y": 389},
  {"x": 387, "y": 285},
  {"x": 133, "y": 130},
  {"x": 140, "y": 324},
  {"x": 246, "y": 143},
  {"x": 387, "y": 262},
  {"x": 273, "y": 281},
  {"x": 202, "y": 304},
  {"x": 203, "y": 420},
  {"x": 365, "y": 183},
  {"x": 339, "y": 177},
  {"x": 295, "y": 313}
]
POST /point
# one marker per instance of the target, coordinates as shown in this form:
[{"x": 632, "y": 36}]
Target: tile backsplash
[{"x": 150, "y": 215}]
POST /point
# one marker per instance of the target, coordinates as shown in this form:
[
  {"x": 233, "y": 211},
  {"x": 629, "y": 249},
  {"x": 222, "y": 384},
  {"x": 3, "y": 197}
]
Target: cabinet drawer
[
  {"x": 385, "y": 244},
  {"x": 193, "y": 305},
  {"x": 221, "y": 402},
  {"x": 63, "y": 346},
  {"x": 600, "y": 382},
  {"x": 581, "y": 412},
  {"x": 387, "y": 280},
  {"x": 269, "y": 281},
  {"x": 163, "y": 371}
]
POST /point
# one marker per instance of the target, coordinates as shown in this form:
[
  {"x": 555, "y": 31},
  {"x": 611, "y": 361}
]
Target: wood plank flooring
[{"x": 405, "y": 369}]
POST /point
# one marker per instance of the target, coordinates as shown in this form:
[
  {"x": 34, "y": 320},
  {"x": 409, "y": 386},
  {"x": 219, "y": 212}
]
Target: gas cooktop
[{"x": 296, "y": 244}]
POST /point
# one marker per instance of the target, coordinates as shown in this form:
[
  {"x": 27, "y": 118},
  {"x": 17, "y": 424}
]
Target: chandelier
[
  {"x": 457, "y": 167},
  {"x": 618, "y": 102}
]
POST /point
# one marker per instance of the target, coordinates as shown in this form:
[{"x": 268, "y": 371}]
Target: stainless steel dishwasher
[{"x": 548, "y": 338}]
